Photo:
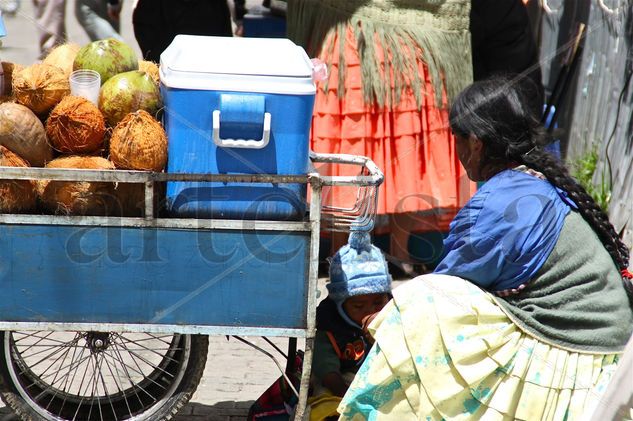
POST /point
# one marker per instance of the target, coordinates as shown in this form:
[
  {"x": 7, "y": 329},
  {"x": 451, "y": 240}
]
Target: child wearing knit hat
[{"x": 360, "y": 285}]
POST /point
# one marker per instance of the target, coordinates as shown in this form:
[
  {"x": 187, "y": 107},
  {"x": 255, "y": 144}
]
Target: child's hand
[{"x": 365, "y": 326}]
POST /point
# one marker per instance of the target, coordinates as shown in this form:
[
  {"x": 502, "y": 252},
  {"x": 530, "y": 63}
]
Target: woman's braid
[
  {"x": 558, "y": 175},
  {"x": 494, "y": 111}
]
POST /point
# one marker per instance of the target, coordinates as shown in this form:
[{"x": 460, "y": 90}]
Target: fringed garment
[{"x": 393, "y": 67}]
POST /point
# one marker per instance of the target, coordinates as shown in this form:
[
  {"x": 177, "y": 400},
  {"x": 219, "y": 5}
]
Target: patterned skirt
[{"x": 446, "y": 351}]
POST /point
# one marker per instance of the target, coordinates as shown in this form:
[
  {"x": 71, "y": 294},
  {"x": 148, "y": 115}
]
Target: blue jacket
[{"x": 504, "y": 234}]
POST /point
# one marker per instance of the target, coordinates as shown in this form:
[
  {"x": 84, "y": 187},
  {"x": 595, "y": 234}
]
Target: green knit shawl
[
  {"x": 577, "y": 300},
  {"x": 438, "y": 29}
]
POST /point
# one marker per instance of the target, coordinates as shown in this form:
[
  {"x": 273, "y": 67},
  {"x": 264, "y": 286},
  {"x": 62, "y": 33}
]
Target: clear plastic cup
[{"x": 86, "y": 83}]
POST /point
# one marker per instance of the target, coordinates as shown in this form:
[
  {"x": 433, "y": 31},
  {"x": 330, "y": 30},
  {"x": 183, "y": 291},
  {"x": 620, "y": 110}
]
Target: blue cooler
[
  {"x": 262, "y": 23},
  {"x": 237, "y": 106}
]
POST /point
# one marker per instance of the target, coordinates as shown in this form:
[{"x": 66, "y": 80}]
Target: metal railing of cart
[{"x": 171, "y": 312}]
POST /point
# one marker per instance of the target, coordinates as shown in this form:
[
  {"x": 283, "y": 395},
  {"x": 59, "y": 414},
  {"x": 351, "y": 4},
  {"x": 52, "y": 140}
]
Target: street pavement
[
  {"x": 21, "y": 43},
  {"x": 234, "y": 376}
]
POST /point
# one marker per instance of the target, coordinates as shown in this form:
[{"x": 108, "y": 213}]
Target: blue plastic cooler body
[
  {"x": 188, "y": 120},
  {"x": 264, "y": 24}
]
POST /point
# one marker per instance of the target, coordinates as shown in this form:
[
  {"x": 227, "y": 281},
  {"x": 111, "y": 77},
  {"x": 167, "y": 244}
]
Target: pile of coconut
[{"x": 43, "y": 125}]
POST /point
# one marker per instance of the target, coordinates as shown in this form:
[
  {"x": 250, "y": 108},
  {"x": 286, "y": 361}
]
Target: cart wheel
[{"x": 96, "y": 376}]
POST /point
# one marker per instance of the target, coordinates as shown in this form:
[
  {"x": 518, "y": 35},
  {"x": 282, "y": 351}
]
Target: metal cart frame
[{"x": 339, "y": 219}]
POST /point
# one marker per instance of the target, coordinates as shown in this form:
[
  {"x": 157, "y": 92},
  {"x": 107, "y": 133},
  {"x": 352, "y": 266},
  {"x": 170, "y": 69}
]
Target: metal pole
[{"x": 313, "y": 273}]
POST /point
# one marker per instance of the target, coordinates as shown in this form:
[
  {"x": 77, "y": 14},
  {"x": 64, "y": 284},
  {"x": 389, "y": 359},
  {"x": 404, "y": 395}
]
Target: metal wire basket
[{"x": 361, "y": 214}]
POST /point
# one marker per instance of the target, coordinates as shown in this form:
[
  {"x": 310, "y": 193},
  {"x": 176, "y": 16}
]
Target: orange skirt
[{"x": 412, "y": 145}]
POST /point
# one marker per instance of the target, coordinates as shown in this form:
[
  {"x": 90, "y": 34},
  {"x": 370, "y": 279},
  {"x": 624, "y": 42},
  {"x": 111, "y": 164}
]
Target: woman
[
  {"x": 157, "y": 22},
  {"x": 393, "y": 66},
  {"x": 525, "y": 316}
]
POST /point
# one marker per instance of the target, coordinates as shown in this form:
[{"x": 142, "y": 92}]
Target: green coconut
[
  {"x": 126, "y": 93},
  {"x": 107, "y": 56}
]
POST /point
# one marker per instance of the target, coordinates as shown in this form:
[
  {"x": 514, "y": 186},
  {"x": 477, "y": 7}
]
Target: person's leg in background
[
  {"x": 401, "y": 226},
  {"x": 93, "y": 17},
  {"x": 50, "y": 18},
  {"x": 147, "y": 21},
  {"x": 157, "y": 22}
]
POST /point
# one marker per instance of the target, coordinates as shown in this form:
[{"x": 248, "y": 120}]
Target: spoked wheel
[{"x": 98, "y": 376}]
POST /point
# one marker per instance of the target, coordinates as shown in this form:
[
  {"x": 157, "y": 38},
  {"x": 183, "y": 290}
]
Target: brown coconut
[
  {"x": 150, "y": 68},
  {"x": 16, "y": 196},
  {"x": 8, "y": 69},
  {"x": 131, "y": 198},
  {"x": 40, "y": 87},
  {"x": 23, "y": 133},
  {"x": 78, "y": 197},
  {"x": 63, "y": 57},
  {"x": 75, "y": 126},
  {"x": 139, "y": 142}
]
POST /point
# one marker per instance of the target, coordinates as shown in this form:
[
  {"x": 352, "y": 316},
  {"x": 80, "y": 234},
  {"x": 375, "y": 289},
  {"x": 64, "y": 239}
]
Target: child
[{"x": 360, "y": 286}]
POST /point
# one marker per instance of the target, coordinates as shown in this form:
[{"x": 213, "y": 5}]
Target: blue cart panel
[{"x": 53, "y": 273}]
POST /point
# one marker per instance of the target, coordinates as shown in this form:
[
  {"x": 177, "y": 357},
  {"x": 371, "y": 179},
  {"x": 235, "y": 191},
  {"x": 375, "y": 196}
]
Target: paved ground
[
  {"x": 234, "y": 376},
  {"x": 21, "y": 45}
]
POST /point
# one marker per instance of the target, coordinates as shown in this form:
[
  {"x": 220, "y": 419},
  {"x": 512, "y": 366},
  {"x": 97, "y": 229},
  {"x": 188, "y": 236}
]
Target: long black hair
[{"x": 496, "y": 112}]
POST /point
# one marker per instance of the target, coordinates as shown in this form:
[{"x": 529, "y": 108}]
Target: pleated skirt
[
  {"x": 412, "y": 144},
  {"x": 446, "y": 351}
]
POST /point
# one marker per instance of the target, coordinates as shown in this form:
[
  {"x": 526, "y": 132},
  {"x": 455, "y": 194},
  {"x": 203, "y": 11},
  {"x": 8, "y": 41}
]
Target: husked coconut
[
  {"x": 78, "y": 197},
  {"x": 151, "y": 69},
  {"x": 16, "y": 196},
  {"x": 40, "y": 87},
  {"x": 75, "y": 126},
  {"x": 130, "y": 199},
  {"x": 63, "y": 57},
  {"x": 139, "y": 142},
  {"x": 8, "y": 69},
  {"x": 23, "y": 133}
]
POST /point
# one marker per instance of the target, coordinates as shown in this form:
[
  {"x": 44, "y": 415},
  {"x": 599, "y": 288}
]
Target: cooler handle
[{"x": 241, "y": 143}]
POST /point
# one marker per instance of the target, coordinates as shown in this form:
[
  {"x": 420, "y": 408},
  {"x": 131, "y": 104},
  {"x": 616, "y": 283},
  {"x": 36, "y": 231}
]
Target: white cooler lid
[{"x": 269, "y": 65}]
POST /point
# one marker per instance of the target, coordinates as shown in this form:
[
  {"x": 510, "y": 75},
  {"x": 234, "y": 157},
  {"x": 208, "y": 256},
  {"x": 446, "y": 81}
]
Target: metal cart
[{"x": 106, "y": 318}]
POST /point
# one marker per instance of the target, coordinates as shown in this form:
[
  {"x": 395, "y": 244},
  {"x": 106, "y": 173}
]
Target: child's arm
[{"x": 326, "y": 365}]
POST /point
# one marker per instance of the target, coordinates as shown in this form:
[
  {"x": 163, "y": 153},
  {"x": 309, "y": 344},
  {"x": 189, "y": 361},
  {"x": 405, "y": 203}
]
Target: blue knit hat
[{"x": 358, "y": 268}]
